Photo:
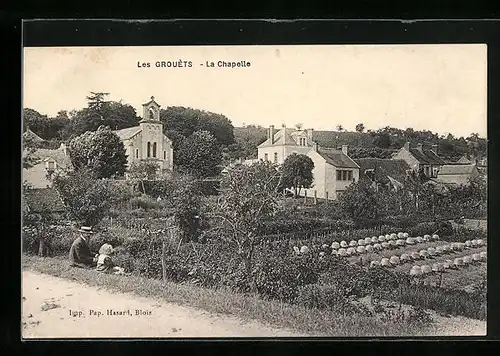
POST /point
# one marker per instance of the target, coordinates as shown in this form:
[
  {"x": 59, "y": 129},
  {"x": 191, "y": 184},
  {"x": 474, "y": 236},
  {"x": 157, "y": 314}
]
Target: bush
[
  {"x": 144, "y": 202},
  {"x": 324, "y": 296},
  {"x": 462, "y": 234}
]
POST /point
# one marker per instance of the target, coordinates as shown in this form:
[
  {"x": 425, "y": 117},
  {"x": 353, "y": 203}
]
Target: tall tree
[
  {"x": 101, "y": 151},
  {"x": 185, "y": 121},
  {"x": 200, "y": 155},
  {"x": 297, "y": 172},
  {"x": 248, "y": 197},
  {"x": 340, "y": 128},
  {"x": 360, "y": 127}
]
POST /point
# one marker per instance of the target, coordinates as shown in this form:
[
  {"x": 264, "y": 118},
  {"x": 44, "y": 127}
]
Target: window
[
  {"x": 136, "y": 153},
  {"x": 266, "y": 157},
  {"x": 51, "y": 165},
  {"x": 151, "y": 114},
  {"x": 275, "y": 157},
  {"x": 154, "y": 149},
  {"x": 149, "y": 149},
  {"x": 302, "y": 141},
  {"x": 344, "y": 175},
  {"x": 164, "y": 155}
]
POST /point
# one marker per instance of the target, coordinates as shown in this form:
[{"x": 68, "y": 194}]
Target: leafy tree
[
  {"x": 28, "y": 157},
  {"x": 101, "y": 151},
  {"x": 87, "y": 198},
  {"x": 360, "y": 127},
  {"x": 248, "y": 196},
  {"x": 200, "y": 155},
  {"x": 382, "y": 140},
  {"x": 297, "y": 172},
  {"x": 100, "y": 112},
  {"x": 47, "y": 128},
  {"x": 359, "y": 201},
  {"x": 186, "y": 121},
  {"x": 340, "y": 128},
  {"x": 299, "y": 126},
  {"x": 143, "y": 170},
  {"x": 247, "y": 139}
]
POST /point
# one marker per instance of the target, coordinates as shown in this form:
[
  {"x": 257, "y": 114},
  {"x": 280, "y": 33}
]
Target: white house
[
  {"x": 421, "y": 159},
  {"x": 146, "y": 142},
  {"x": 333, "y": 171},
  {"x": 47, "y": 162},
  {"x": 282, "y": 143}
]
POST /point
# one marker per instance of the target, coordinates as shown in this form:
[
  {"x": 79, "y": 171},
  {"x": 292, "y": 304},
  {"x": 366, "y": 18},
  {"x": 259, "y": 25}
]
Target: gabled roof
[
  {"x": 44, "y": 200},
  {"x": 454, "y": 169},
  {"x": 337, "y": 158},
  {"x": 464, "y": 160},
  {"x": 33, "y": 136},
  {"x": 151, "y": 101},
  {"x": 57, "y": 155},
  {"x": 427, "y": 156},
  {"x": 383, "y": 169},
  {"x": 278, "y": 137},
  {"x": 129, "y": 132}
]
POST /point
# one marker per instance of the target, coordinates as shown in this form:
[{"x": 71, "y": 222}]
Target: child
[{"x": 104, "y": 262}]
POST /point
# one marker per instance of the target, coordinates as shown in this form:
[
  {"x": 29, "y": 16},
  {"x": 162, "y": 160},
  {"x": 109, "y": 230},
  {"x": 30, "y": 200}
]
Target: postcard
[{"x": 254, "y": 191}]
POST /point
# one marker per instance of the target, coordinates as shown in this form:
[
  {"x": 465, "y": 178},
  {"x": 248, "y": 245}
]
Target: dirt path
[{"x": 57, "y": 308}]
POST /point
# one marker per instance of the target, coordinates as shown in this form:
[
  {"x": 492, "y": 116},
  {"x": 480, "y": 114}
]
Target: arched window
[
  {"x": 154, "y": 149},
  {"x": 164, "y": 155},
  {"x": 149, "y": 149},
  {"x": 151, "y": 114},
  {"x": 136, "y": 153}
]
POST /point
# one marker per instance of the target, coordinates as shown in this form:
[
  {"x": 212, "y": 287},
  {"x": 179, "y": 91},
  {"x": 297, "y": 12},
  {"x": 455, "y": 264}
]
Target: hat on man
[{"x": 86, "y": 229}]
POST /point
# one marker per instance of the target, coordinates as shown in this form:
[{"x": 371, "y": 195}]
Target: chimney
[
  {"x": 270, "y": 133},
  {"x": 310, "y": 135},
  {"x": 344, "y": 149},
  {"x": 407, "y": 146},
  {"x": 419, "y": 147},
  {"x": 435, "y": 149},
  {"x": 283, "y": 136}
]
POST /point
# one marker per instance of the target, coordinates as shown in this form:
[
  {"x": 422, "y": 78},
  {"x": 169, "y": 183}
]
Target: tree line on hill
[{"x": 180, "y": 123}]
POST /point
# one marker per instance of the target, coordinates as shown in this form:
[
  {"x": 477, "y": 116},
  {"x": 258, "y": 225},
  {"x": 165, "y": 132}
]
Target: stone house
[
  {"x": 383, "y": 173},
  {"x": 421, "y": 159},
  {"x": 333, "y": 172},
  {"x": 48, "y": 162},
  {"x": 458, "y": 174},
  {"x": 147, "y": 142}
]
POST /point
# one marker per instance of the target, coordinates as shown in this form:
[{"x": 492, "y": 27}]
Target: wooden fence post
[
  {"x": 315, "y": 198},
  {"x": 305, "y": 196}
]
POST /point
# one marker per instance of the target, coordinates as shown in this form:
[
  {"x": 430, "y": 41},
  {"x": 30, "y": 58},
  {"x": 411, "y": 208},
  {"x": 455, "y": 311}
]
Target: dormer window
[{"x": 51, "y": 165}]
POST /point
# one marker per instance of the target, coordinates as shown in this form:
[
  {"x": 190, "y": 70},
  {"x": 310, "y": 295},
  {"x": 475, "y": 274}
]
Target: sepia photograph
[{"x": 254, "y": 191}]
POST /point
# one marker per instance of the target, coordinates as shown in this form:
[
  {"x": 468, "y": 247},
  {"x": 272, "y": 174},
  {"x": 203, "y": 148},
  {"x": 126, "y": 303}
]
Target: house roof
[
  {"x": 384, "y": 169},
  {"x": 278, "y": 136},
  {"x": 129, "y": 132},
  {"x": 464, "y": 160},
  {"x": 454, "y": 169},
  {"x": 33, "y": 136},
  {"x": 58, "y": 155},
  {"x": 427, "y": 156},
  {"x": 337, "y": 158},
  {"x": 44, "y": 200}
]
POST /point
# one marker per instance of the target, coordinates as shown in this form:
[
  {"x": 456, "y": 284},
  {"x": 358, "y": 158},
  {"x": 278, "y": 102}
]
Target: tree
[
  {"x": 248, "y": 196},
  {"x": 359, "y": 201},
  {"x": 360, "y": 127},
  {"x": 299, "y": 126},
  {"x": 186, "y": 121},
  {"x": 101, "y": 151},
  {"x": 340, "y": 128},
  {"x": 297, "y": 172},
  {"x": 96, "y": 100},
  {"x": 143, "y": 170},
  {"x": 382, "y": 140},
  {"x": 200, "y": 155},
  {"x": 87, "y": 198},
  {"x": 29, "y": 158}
]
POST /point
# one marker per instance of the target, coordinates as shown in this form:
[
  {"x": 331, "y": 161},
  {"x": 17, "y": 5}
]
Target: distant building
[
  {"x": 333, "y": 171},
  {"x": 458, "y": 174},
  {"x": 48, "y": 162},
  {"x": 29, "y": 135},
  {"x": 389, "y": 173},
  {"x": 282, "y": 143},
  {"x": 147, "y": 142},
  {"x": 421, "y": 159}
]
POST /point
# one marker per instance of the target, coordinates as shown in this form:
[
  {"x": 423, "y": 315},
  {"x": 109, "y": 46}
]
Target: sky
[{"x": 442, "y": 88}]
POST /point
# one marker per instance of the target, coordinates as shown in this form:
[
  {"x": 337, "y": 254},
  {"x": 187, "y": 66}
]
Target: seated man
[{"x": 79, "y": 253}]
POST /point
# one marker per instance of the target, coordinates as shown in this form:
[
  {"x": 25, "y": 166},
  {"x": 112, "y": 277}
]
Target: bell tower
[{"x": 152, "y": 131}]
